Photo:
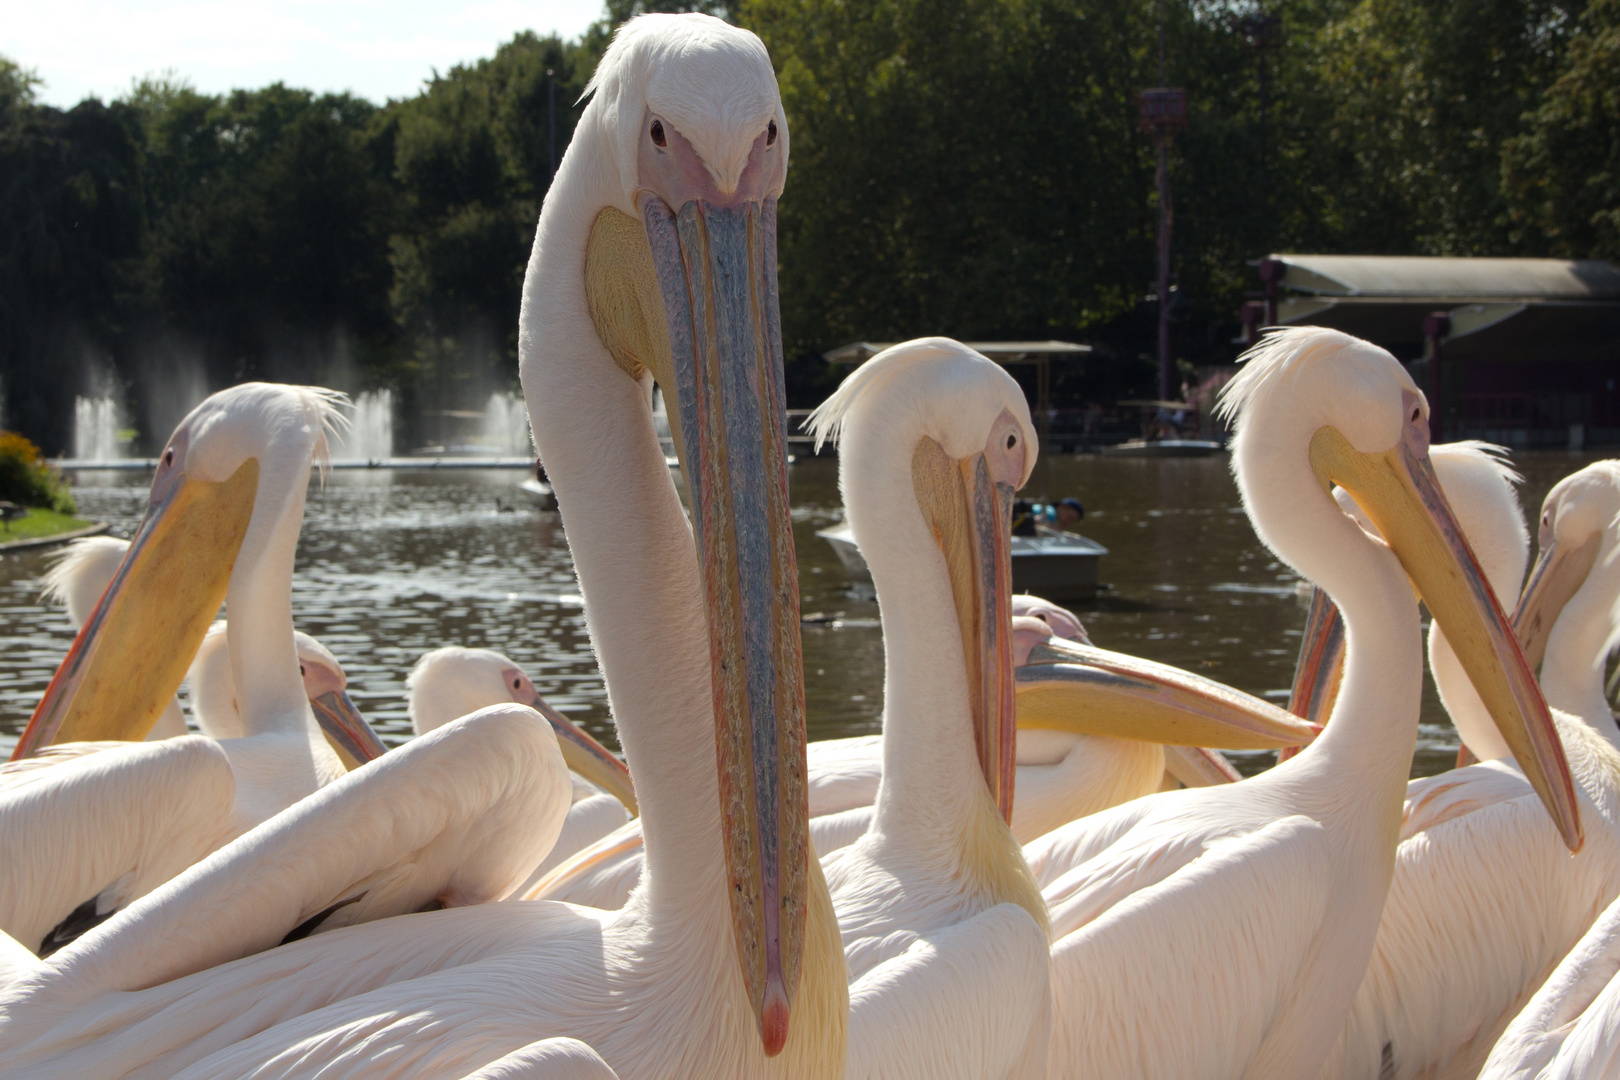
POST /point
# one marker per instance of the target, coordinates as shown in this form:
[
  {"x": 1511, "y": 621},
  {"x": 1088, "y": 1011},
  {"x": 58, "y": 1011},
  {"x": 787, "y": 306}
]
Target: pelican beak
[
  {"x": 689, "y": 294},
  {"x": 1399, "y": 493},
  {"x": 1195, "y": 766},
  {"x": 970, "y": 516},
  {"x": 1067, "y": 686},
  {"x": 346, "y": 731},
  {"x": 1559, "y": 573},
  {"x": 1320, "y": 667},
  {"x": 132, "y": 652},
  {"x": 589, "y": 758}
]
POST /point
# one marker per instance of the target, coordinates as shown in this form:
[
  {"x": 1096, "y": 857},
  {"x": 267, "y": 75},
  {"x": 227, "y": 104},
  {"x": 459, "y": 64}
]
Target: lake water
[{"x": 391, "y": 565}]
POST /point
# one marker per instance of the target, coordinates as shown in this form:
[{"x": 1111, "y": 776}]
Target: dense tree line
[{"x": 969, "y": 167}]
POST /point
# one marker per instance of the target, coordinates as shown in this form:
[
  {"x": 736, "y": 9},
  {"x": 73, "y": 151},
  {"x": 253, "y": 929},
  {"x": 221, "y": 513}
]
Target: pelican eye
[
  {"x": 1415, "y": 413},
  {"x": 300, "y": 671},
  {"x": 770, "y": 134},
  {"x": 1012, "y": 441},
  {"x": 168, "y": 456},
  {"x": 658, "y": 133}
]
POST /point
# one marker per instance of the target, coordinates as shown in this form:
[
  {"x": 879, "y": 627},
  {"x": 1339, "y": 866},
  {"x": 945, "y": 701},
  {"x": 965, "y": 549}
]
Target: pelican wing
[
  {"x": 1571, "y": 1028},
  {"x": 455, "y": 817},
  {"x": 548, "y": 1059},
  {"x": 969, "y": 1000},
  {"x": 843, "y": 773},
  {"x": 589, "y": 820},
  {"x": 832, "y": 832},
  {"x": 1434, "y": 800},
  {"x": 249, "y": 1010},
  {"x": 1072, "y": 845},
  {"x": 83, "y": 834},
  {"x": 1483, "y": 904},
  {"x": 1214, "y": 948}
]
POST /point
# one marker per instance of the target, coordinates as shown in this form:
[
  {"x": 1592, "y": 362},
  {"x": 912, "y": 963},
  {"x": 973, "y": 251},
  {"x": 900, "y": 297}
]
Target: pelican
[
  {"x": 1275, "y": 884},
  {"x": 91, "y": 832},
  {"x": 654, "y": 258},
  {"x": 453, "y": 681},
  {"x": 78, "y": 575},
  {"x": 548, "y": 1059},
  {"x": 1483, "y": 902},
  {"x": 82, "y": 573},
  {"x": 217, "y": 705},
  {"x": 1061, "y": 775},
  {"x": 1570, "y": 614},
  {"x": 1064, "y": 770},
  {"x": 1568, "y": 1029},
  {"x": 944, "y": 928}
]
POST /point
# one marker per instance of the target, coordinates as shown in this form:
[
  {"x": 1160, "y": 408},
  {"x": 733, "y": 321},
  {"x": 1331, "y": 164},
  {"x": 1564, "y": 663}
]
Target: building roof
[
  {"x": 1006, "y": 352},
  {"x": 1519, "y": 310},
  {"x": 1457, "y": 280}
]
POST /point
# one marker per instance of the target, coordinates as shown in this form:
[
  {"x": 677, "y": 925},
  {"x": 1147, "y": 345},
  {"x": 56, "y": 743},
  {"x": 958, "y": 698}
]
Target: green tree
[
  {"x": 473, "y": 160},
  {"x": 271, "y": 211},
  {"x": 16, "y": 86},
  {"x": 1563, "y": 173},
  {"x": 70, "y": 229}
]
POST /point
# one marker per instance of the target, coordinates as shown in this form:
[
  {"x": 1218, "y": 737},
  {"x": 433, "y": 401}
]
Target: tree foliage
[
  {"x": 1563, "y": 171},
  {"x": 967, "y": 167}
]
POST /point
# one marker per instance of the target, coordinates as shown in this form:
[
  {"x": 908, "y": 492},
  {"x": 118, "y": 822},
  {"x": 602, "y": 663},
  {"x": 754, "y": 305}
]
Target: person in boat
[{"x": 1030, "y": 518}]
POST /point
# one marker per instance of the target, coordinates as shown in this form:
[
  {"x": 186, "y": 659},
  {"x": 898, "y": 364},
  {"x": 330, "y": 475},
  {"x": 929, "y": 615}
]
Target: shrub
[{"x": 26, "y": 479}]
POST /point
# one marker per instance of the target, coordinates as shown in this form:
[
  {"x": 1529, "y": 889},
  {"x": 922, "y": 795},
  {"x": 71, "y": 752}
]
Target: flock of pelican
[{"x": 1042, "y": 867}]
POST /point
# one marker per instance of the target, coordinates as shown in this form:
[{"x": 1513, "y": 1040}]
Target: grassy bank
[{"x": 41, "y": 523}]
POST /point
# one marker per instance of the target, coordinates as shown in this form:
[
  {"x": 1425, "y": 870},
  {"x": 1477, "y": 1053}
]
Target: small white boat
[
  {"x": 1164, "y": 448},
  {"x": 1053, "y": 565},
  {"x": 539, "y": 493}
]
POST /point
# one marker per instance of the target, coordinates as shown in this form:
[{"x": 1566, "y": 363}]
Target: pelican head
[
  {"x": 961, "y": 426},
  {"x": 231, "y": 480},
  {"x": 1576, "y": 516},
  {"x": 1479, "y": 485},
  {"x": 1316, "y": 408},
  {"x": 451, "y": 682},
  {"x": 216, "y": 704},
  {"x": 668, "y": 191},
  {"x": 957, "y": 430}
]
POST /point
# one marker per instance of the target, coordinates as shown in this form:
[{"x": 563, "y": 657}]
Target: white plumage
[
  {"x": 942, "y": 924},
  {"x": 1274, "y": 884},
  {"x": 452, "y": 681},
  {"x": 84, "y": 837},
  {"x": 657, "y": 989},
  {"x": 1485, "y": 900}
]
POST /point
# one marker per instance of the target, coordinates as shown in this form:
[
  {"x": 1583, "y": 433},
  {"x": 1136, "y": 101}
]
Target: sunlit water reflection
[{"x": 391, "y": 565}]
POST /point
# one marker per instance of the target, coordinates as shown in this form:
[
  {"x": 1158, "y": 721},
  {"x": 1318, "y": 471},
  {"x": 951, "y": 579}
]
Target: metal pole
[
  {"x": 551, "y": 104},
  {"x": 1436, "y": 326},
  {"x": 1164, "y": 268},
  {"x": 1162, "y": 136}
]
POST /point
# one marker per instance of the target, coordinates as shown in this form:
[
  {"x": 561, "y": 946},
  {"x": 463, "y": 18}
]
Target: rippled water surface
[{"x": 391, "y": 565}]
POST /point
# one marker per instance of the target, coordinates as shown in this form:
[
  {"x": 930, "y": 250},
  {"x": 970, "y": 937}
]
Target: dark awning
[{"x": 1501, "y": 309}]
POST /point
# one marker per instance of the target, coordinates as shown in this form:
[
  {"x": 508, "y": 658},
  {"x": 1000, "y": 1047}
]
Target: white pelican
[
  {"x": 217, "y": 706},
  {"x": 1570, "y": 612},
  {"x": 548, "y": 1059},
  {"x": 1064, "y": 771},
  {"x": 943, "y": 925},
  {"x": 82, "y": 573},
  {"x": 79, "y": 574},
  {"x": 1223, "y": 931},
  {"x": 1484, "y": 902},
  {"x": 88, "y": 834},
  {"x": 453, "y": 681},
  {"x": 1570, "y": 1030},
  {"x": 726, "y": 963}
]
